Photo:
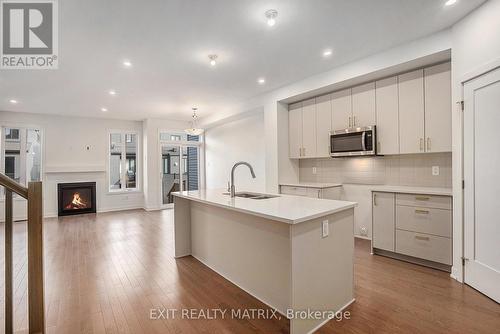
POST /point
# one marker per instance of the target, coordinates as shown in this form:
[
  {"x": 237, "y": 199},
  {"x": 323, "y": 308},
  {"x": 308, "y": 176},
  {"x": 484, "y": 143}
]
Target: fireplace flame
[{"x": 77, "y": 202}]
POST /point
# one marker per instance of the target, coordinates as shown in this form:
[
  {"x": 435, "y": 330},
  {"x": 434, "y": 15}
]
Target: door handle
[
  {"x": 428, "y": 144},
  {"x": 375, "y": 199},
  {"x": 355, "y": 121},
  {"x": 350, "y": 122}
]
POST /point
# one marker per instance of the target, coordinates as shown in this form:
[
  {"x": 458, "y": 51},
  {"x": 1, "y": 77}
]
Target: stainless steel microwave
[{"x": 353, "y": 142}]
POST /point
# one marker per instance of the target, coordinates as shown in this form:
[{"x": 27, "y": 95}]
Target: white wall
[
  {"x": 66, "y": 157},
  {"x": 476, "y": 44},
  {"x": 239, "y": 140}
]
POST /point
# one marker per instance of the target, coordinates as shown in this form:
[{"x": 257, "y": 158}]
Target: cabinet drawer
[
  {"x": 424, "y": 220},
  {"x": 424, "y": 246},
  {"x": 314, "y": 192},
  {"x": 297, "y": 191},
  {"x": 428, "y": 201}
]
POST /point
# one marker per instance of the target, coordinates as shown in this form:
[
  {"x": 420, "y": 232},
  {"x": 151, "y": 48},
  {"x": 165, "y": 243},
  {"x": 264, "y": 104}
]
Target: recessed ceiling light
[
  {"x": 127, "y": 63},
  {"x": 327, "y": 53},
  {"x": 104, "y": 109},
  {"x": 450, "y": 2},
  {"x": 271, "y": 15},
  {"x": 13, "y": 101},
  {"x": 112, "y": 92},
  {"x": 213, "y": 60},
  {"x": 261, "y": 81}
]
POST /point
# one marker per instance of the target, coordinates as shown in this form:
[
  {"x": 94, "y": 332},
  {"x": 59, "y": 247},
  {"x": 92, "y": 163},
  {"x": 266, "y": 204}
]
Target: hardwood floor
[{"x": 104, "y": 273}]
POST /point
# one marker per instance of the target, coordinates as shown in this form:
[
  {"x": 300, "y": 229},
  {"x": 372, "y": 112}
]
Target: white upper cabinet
[
  {"x": 387, "y": 111},
  {"x": 438, "y": 108},
  {"x": 309, "y": 128},
  {"x": 295, "y": 130},
  {"x": 411, "y": 112},
  {"x": 342, "y": 109},
  {"x": 363, "y": 105},
  {"x": 323, "y": 125}
]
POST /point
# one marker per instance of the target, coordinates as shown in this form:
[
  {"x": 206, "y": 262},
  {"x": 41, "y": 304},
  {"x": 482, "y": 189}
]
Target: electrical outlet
[
  {"x": 325, "y": 228},
  {"x": 315, "y": 170},
  {"x": 363, "y": 231},
  {"x": 435, "y": 170}
]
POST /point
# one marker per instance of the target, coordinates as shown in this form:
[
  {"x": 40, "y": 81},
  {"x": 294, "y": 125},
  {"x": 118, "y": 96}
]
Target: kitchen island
[{"x": 292, "y": 253}]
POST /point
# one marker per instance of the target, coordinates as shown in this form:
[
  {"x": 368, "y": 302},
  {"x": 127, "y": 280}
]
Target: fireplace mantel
[{"x": 75, "y": 169}]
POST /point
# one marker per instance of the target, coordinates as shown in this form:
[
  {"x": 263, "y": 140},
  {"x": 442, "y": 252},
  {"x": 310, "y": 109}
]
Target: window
[
  {"x": 180, "y": 136},
  {"x": 21, "y": 154},
  {"x": 123, "y": 161}
]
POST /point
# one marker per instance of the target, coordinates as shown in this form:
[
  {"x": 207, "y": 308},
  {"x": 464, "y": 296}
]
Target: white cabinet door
[
  {"x": 438, "y": 108},
  {"x": 295, "y": 130},
  {"x": 341, "y": 109},
  {"x": 323, "y": 125},
  {"x": 309, "y": 128},
  {"x": 363, "y": 104},
  {"x": 383, "y": 221},
  {"x": 411, "y": 112},
  {"x": 387, "y": 111}
]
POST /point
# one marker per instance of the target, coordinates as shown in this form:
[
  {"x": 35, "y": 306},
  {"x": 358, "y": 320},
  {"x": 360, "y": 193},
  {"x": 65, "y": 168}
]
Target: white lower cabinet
[
  {"x": 313, "y": 192},
  {"x": 383, "y": 220},
  {"x": 419, "y": 227}
]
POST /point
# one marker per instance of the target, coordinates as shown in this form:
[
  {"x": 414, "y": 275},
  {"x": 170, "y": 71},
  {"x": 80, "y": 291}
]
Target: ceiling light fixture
[
  {"x": 193, "y": 130},
  {"x": 450, "y": 2},
  {"x": 261, "y": 81},
  {"x": 112, "y": 92},
  {"x": 127, "y": 63},
  {"x": 104, "y": 109},
  {"x": 212, "y": 58},
  {"x": 13, "y": 101},
  {"x": 271, "y": 15},
  {"x": 327, "y": 53}
]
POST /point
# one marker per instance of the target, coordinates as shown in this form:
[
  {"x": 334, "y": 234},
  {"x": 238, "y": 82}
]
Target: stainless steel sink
[{"x": 252, "y": 195}]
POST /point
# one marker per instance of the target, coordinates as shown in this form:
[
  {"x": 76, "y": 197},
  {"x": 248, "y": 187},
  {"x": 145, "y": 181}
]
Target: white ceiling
[{"x": 169, "y": 42}]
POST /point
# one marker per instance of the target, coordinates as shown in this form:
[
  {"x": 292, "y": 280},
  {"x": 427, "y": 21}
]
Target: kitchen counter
[
  {"x": 284, "y": 208},
  {"x": 318, "y": 185},
  {"x": 292, "y": 253},
  {"x": 414, "y": 190}
]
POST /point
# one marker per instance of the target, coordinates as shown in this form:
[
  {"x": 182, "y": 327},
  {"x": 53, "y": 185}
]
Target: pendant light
[{"x": 194, "y": 131}]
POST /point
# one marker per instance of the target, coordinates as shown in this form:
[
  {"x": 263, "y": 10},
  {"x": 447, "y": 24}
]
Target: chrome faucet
[{"x": 232, "y": 187}]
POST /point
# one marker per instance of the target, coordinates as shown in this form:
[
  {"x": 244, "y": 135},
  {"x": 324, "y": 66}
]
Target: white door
[
  {"x": 309, "y": 128},
  {"x": 387, "y": 116},
  {"x": 363, "y": 105},
  {"x": 323, "y": 125},
  {"x": 342, "y": 110},
  {"x": 438, "y": 108},
  {"x": 482, "y": 184},
  {"x": 295, "y": 130},
  {"x": 411, "y": 112}
]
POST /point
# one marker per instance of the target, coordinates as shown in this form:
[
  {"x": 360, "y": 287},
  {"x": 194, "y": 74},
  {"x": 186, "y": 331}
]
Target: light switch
[
  {"x": 325, "y": 228},
  {"x": 435, "y": 170}
]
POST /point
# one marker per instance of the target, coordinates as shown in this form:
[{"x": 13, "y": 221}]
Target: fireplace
[{"x": 76, "y": 198}]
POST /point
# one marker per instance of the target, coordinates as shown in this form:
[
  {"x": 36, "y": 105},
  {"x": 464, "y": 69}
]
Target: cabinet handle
[
  {"x": 424, "y": 212},
  {"x": 375, "y": 199},
  {"x": 428, "y": 144},
  {"x": 355, "y": 121},
  {"x": 422, "y": 198},
  {"x": 350, "y": 122},
  {"x": 422, "y": 238},
  {"x": 421, "y": 144}
]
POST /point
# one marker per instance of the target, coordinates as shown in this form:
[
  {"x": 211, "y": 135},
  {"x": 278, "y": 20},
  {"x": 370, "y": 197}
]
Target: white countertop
[
  {"x": 285, "y": 208},
  {"x": 414, "y": 190},
  {"x": 318, "y": 185}
]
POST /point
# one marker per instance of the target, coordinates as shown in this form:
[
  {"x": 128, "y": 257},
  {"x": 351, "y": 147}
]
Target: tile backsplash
[{"x": 403, "y": 170}]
